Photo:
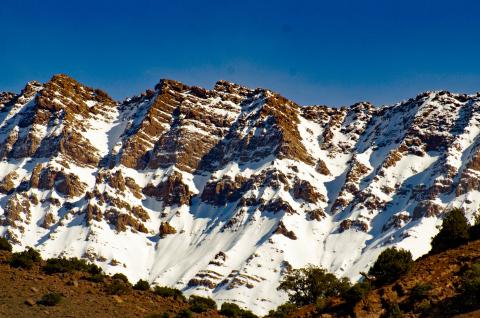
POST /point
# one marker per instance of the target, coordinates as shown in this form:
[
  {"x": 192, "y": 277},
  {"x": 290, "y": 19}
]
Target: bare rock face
[
  {"x": 305, "y": 191},
  {"x": 225, "y": 190},
  {"x": 8, "y": 182},
  {"x": 64, "y": 183},
  {"x": 121, "y": 221},
  {"x": 281, "y": 229},
  {"x": 48, "y": 220},
  {"x": 427, "y": 209},
  {"x": 172, "y": 191},
  {"x": 166, "y": 229},
  {"x": 355, "y": 224},
  {"x": 322, "y": 168},
  {"x": 317, "y": 214},
  {"x": 16, "y": 210},
  {"x": 93, "y": 212},
  {"x": 276, "y": 206}
]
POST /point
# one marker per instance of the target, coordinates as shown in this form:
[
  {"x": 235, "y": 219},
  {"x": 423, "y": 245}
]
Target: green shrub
[
  {"x": 25, "y": 259},
  {"x": 282, "y": 311},
  {"x": 454, "y": 231},
  {"x": 390, "y": 265},
  {"x": 470, "y": 285},
  {"x": 97, "y": 278},
  {"x": 230, "y": 310},
  {"x": 356, "y": 293},
  {"x": 141, "y": 285},
  {"x": 422, "y": 307},
  {"x": 5, "y": 245},
  {"x": 185, "y": 313},
  {"x": 169, "y": 292},
  {"x": 200, "y": 304},
  {"x": 474, "y": 231},
  {"x": 164, "y": 315},
  {"x": 420, "y": 292},
  {"x": 392, "y": 310},
  {"x": 50, "y": 299},
  {"x": 118, "y": 287},
  {"x": 121, "y": 277},
  {"x": 68, "y": 265},
  {"x": 306, "y": 285},
  {"x": 233, "y": 310}
]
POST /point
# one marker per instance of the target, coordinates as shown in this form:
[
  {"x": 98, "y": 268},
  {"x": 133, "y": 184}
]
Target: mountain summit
[{"x": 220, "y": 192}]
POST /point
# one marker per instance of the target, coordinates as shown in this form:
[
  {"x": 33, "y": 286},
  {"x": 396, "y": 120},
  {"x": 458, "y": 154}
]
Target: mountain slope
[{"x": 219, "y": 192}]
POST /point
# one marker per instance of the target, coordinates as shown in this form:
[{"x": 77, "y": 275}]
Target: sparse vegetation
[
  {"x": 185, "y": 313},
  {"x": 169, "y": 292},
  {"x": 454, "y": 231},
  {"x": 470, "y": 286},
  {"x": 390, "y": 265},
  {"x": 420, "y": 292},
  {"x": 233, "y": 310},
  {"x": 200, "y": 304},
  {"x": 306, "y": 285},
  {"x": 282, "y": 311},
  {"x": 25, "y": 259},
  {"x": 118, "y": 287},
  {"x": 68, "y": 265},
  {"x": 50, "y": 299},
  {"x": 356, "y": 293},
  {"x": 142, "y": 285},
  {"x": 392, "y": 310},
  {"x": 97, "y": 278},
  {"x": 122, "y": 277},
  {"x": 5, "y": 245}
]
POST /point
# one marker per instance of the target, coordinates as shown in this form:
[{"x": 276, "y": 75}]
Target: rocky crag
[{"x": 220, "y": 192}]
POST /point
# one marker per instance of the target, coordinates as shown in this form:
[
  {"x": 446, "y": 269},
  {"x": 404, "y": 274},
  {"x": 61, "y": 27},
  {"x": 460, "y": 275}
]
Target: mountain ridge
[{"x": 219, "y": 192}]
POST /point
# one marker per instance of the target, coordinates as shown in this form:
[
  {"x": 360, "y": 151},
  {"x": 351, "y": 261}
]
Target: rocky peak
[{"x": 181, "y": 174}]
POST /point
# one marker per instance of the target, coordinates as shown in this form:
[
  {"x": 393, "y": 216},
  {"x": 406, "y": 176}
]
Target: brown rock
[
  {"x": 8, "y": 182},
  {"x": 281, "y": 229},
  {"x": 172, "y": 191},
  {"x": 30, "y": 302},
  {"x": 48, "y": 220},
  {"x": 305, "y": 191},
  {"x": 166, "y": 229}
]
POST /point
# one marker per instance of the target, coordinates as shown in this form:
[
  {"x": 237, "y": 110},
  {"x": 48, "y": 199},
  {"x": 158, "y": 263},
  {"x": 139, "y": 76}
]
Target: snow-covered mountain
[{"x": 220, "y": 192}]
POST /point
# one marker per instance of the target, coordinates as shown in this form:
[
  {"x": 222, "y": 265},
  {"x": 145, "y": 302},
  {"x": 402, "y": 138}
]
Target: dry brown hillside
[{"x": 20, "y": 289}]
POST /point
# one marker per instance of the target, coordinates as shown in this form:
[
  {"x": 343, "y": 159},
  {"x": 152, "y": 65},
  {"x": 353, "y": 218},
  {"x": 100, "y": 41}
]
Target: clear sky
[{"x": 314, "y": 52}]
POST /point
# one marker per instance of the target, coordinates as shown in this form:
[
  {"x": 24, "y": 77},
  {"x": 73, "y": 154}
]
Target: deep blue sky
[{"x": 315, "y": 52}]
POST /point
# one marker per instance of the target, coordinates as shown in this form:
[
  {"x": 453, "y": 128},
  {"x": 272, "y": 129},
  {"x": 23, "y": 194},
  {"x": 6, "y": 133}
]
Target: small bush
[
  {"x": 282, "y": 311},
  {"x": 50, "y": 299},
  {"x": 420, "y": 292},
  {"x": 470, "y": 285},
  {"x": 390, "y": 265},
  {"x": 392, "y": 310},
  {"x": 142, "y": 285},
  {"x": 25, "y": 259},
  {"x": 97, "y": 278},
  {"x": 121, "y": 277},
  {"x": 118, "y": 287},
  {"x": 68, "y": 265},
  {"x": 5, "y": 245},
  {"x": 164, "y": 315},
  {"x": 233, "y": 310},
  {"x": 200, "y": 304},
  {"x": 454, "y": 231},
  {"x": 474, "y": 231},
  {"x": 169, "y": 292},
  {"x": 357, "y": 292},
  {"x": 185, "y": 313}
]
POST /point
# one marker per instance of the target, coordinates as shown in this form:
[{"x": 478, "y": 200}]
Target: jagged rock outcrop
[{"x": 232, "y": 169}]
